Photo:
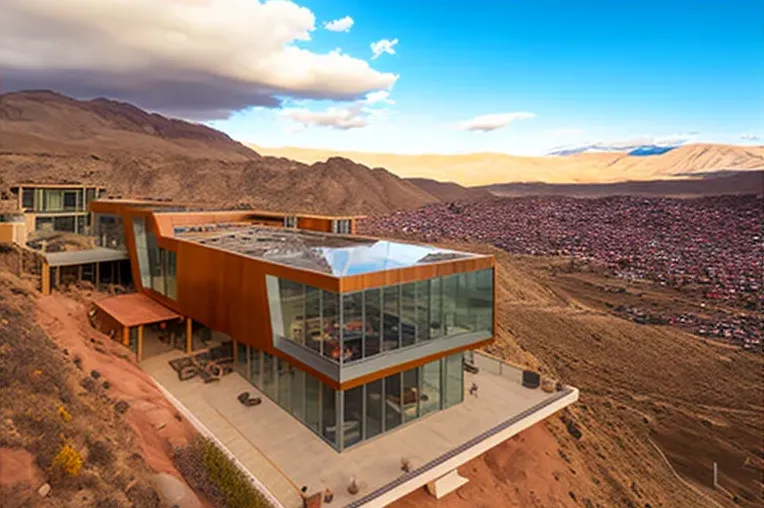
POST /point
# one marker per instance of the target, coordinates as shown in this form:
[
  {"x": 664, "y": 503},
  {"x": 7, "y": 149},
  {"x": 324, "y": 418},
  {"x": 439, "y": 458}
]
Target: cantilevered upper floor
[{"x": 345, "y": 309}]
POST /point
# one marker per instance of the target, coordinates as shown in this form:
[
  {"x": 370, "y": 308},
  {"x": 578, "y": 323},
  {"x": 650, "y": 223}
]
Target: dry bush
[
  {"x": 211, "y": 472},
  {"x": 99, "y": 453}
]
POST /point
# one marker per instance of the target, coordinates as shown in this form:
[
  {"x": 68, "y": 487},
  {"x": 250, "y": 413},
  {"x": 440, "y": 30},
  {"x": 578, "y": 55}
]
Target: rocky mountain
[
  {"x": 48, "y": 137},
  {"x": 479, "y": 169},
  {"x": 449, "y": 191}
]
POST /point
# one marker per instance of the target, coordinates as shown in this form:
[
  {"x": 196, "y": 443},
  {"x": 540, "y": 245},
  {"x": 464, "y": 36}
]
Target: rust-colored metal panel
[
  {"x": 415, "y": 273},
  {"x": 409, "y": 365},
  {"x": 226, "y": 291}
]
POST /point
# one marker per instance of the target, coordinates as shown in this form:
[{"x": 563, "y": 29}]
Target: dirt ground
[
  {"x": 151, "y": 416},
  {"x": 645, "y": 390},
  {"x": 77, "y": 382}
]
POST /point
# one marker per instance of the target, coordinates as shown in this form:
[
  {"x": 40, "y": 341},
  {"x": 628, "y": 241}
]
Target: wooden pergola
[{"x": 137, "y": 310}]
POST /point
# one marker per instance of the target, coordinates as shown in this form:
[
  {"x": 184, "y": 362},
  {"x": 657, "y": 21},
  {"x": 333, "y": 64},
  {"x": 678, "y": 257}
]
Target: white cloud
[
  {"x": 750, "y": 137},
  {"x": 204, "y": 58},
  {"x": 383, "y": 46},
  {"x": 492, "y": 122},
  {"x": 358, "y": 115},
  {"x": 339, "y": 25},
  {"x": 352, "y": 117},
  {"x": 380, "y": 96}
]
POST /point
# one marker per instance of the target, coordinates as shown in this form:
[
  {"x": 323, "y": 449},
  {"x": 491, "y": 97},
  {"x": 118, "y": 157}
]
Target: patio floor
[{"x": 285, "y": 455}]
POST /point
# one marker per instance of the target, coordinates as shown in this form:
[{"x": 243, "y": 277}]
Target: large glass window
[
  {"x": 268, "y": 375},
  {"x": 155, "y": 263},
  {"x": 374, "y": 408},
  {"x": 483, "y": 301},
  {"x": 411, "y": 395},
  {"x": 454, "y": 380},
  {"x": 431, "y": 381},
  {"x": 436, "y": 308},
  {"x": 313, "y": 335},
  {"x": 171, "y": 270},
  {"x": 241, "y": 359},
  {"x": 312, "y": 402},
  {"x": 141, "y": 246},
  {"x": 408, "y": 314},
  {"x": 27, "y": 199},
  {"x": 393, "y": 403},
  {"x": 297, "y": 380},
  {"x": 293, "y": 309},
  {"x": 422, "y": 310},
  {"x": 353, "y": 413},
  {"x": 329, "y": 414},
  {"x": 284, "y": 385},
  {"x": 255, "y": 367},
  {"x": 392, "y": 318},
  {"x": 373, "y": 315},
  {"x": 352, "y": 327},
  {"x": 330, "y": 303}
]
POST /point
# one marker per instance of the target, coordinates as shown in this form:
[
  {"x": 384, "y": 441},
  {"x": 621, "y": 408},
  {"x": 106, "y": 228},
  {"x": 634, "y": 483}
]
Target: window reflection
[{"x": 378, "y": 319}]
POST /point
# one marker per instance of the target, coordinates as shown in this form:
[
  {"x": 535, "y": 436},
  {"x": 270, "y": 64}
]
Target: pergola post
[
  {"x": 189, "y": 336},
  {"x": 140, "y": 343},
  {"x": 45, "y": 278}
]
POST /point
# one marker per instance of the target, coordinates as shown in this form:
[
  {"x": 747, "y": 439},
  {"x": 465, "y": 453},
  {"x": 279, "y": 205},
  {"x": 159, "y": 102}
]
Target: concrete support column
[
  {"x": 58, "y": 276},
  {"x": 97, "y": 275},
  {"x": 126, "y": 335},
  {"x": 446, "y": 484}
]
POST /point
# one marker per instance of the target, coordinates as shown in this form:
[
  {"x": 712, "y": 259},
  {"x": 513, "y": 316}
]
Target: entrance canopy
[
  {"x": 135, "y": 309},
  {"x": 82, "y": 257}
]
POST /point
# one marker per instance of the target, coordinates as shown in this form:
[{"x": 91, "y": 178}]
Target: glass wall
[
  {"x": 57, "y": 200},
  {"x": 366, "y": 411},
  {"x": 162, "y": 268},
  {"x": 353, "y": 326},
  {"x": 109, "y": 231},
  {"x": 141, "y": 247}
]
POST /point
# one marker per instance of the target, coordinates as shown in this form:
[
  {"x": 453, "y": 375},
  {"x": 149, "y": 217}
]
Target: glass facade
[
  {"x": 109, "y": 231},
  {"x": 158, "y": 266},
  {"x": 57, "y": 200},
  {"x": 352, "y": 326},
  {"x": 345, "y": 418}
]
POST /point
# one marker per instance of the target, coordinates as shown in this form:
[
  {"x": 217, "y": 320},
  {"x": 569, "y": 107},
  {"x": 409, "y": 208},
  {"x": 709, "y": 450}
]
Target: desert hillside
[
  {"x": 47, "y": 137},
  {"x": 449, "y": 191},
  {"x": 495, "y": 168}
]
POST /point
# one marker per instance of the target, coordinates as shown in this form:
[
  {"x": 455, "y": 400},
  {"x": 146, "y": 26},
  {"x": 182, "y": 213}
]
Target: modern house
[
  {"x": 61, "y": 207},
  {"x": 355, "y": 338}
]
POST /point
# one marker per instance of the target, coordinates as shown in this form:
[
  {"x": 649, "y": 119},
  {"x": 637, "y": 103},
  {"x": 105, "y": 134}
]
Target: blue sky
[
  {"x": 590, "y": 71},
  {"x": 448, "y": 76}
]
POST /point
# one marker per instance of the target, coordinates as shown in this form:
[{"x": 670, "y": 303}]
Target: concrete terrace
[{"x": 283, "y": 454}]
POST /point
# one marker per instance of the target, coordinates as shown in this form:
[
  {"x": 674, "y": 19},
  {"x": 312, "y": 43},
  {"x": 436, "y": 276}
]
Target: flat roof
[
  {"x": 82, "y": 257},
  {"x": 284, "y": 454},
  {"x": 135, "y": 309},
  {"x": 57, "y": 185},
  {"x": 333, "y": 254}
]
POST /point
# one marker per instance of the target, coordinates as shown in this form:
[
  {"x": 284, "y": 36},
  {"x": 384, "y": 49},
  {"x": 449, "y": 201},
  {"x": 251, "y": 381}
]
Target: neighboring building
[
  {"x": 12, "y": 226},
  {"x": 353, "y": 337},
  {"x": 59, "y": 207}
]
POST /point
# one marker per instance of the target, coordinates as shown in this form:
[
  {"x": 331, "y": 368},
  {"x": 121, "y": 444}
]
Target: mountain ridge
[
  {"x": 481, "y": 169},
  {"x": 49, "y": 137}
]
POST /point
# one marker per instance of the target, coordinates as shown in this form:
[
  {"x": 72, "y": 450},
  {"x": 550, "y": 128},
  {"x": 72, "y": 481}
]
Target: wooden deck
[{"x": 285, "y": 455}]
